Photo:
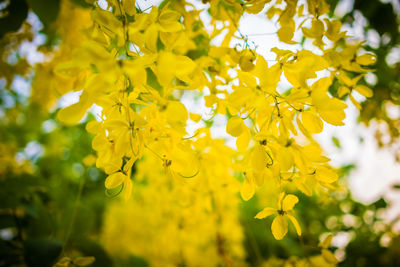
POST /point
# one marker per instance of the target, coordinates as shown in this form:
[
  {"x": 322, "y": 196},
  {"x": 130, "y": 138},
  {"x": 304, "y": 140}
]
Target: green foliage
[{"x": 16, "y": 12}]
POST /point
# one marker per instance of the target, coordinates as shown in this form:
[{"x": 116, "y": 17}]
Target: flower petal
[{"x": 279, "y": 227}]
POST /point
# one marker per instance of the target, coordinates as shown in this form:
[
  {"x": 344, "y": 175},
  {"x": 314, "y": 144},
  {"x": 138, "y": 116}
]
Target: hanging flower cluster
[{"x": 138, "y": 64}]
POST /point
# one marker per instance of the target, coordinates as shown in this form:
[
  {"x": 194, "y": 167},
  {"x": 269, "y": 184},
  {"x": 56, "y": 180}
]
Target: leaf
[
  {"x": 380, "y": 203},
  {"x": 16, "y": 12},
  {"x": 151, "y": 79},
  {"x": 396, "y": 186},
  {"x": 47, "y": 11},
  {"x": 279, "y": 227},
  {"x": 42, "y": 252},
  {"x": 336, "y": 142},
  {"x": 265, "y": 213}
]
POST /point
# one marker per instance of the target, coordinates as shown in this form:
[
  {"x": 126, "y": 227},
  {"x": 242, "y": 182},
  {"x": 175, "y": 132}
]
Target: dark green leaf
[
  {"x": 42, "y": 252},
  {"x": 46, "y": 10},
  {"x": 16, "y": 12}
]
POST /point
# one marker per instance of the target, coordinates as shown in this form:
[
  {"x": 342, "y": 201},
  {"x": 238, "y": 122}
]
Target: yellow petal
[
  {"x": 328, "y": 256},
  {"x": 195, "y": 117},
  {"x": 168, "y": 21},
  {"x": 166, "y": 66},
  {"x": 114, "y": 180},
  {"x": 129, "y": 7},
  {"x": 343, "y": 90},
  {"x": 295, "y": 223},
  {"x": 242, "y": 142},
  {"x": 151, "y": 36},
  {"x": 364, "y": 90},
  {"x": 302, "y": 128},
  {"x": 326, "y": 175},
  {"x": 312, "y": 122},
  {"x": 100, "y": 142},
  {"x": 326, "y": 243},
  {"x": 170, "y": 26},
  {"x": 305, "y": 189},
  {"x": 112, "y": 165},
  {"x": 94, "y": 127},
  {"x": 247, "y": 190},
  {"x": 285, "y": 157},
  {"x": 366, "y": 59},
  {"x": 89, "y": 160},
  {"x": 235, "y": 126},
  {"x": 176, "y": 112},
  {"x": 259, "y": 177},
  {"x": 354, "y": 101},
  {"x": 289, "y": 201},
  {"x": 279, "y": 227},
  {"x": 285, "y": 35},
  {"x": 72, "y": 114},
  {"x": 265, "y": 213},
  {"x": 259, "y": 159},
  {"x": 334, "y": 117},
  {"x": 84, "y": 261},
  {"x": 184, "y": 66},
  {"x": 106, "y": 20},
  {"x": 128, "y": 189},
  {"x": 280, "y": 198},
  {"x": 246, "y": 61}
]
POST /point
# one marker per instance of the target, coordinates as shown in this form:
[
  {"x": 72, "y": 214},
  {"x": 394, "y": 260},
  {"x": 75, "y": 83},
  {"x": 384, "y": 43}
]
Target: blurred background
[{"x": 52, "y": 197}]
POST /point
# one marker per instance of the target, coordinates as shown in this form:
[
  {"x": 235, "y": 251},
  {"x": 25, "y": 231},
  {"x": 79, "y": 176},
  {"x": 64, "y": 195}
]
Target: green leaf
[
  {"x": 46, "y": 10},
  {"x": 152, "y": 80},
  {"x": 336, "y": 142},
  {"x": 396, "y": 186},
  {"x": 42, "y": 252},
  {"x": 6, "y": 220},
  {"x": 380, "y": 203},
  {"x": 16, "y": 11}
]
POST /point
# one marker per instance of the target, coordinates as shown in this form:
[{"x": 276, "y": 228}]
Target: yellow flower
[{"x": 279, "y": 225}]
